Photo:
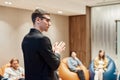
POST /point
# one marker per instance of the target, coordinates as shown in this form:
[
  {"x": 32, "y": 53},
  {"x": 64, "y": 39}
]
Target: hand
[
  {"x": 23, "y": 75},
  {"x": 100, "y": 66},
  {"x": 60, "y": 78},
  {"x": 53, "y": 46},
  {"x": 59, "y": 47},
  {"x": 14, "y": 79},
  {"x": 78, "y": 68}
]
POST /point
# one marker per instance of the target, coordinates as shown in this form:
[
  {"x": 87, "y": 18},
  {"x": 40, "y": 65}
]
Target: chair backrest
[
  {"x": 65, "y": 73},
  {"x": 2, "y": 69},
  {"x": 108, "y": 74}
]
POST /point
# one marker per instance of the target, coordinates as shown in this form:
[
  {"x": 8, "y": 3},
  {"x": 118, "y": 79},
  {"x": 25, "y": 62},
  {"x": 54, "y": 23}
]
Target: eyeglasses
[{"x": 47, "y": 19}]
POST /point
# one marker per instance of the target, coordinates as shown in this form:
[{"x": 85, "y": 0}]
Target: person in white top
[
  {"x": 14, "y": 72},
  {"x": 100, "y": 65}
]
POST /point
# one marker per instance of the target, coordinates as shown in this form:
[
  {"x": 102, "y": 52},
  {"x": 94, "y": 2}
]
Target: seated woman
[
  {"x": 14, "y": 72},
  {"x": 100, "y": 65},
  {"x": 74, "y": 65}
]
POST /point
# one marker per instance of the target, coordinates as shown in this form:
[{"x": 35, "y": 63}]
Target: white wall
[
  {"x": 103, "y": 31},
  {"x": 118, "y": 44},
  {"x": 15, "y": 23}
]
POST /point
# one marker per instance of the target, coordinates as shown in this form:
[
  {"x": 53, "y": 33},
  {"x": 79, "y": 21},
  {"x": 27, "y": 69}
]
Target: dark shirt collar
[{"x": 34, "y": 30}]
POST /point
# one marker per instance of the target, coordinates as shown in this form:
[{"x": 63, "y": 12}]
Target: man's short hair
[
  {"x": 72, "y": 52},
  {"x": 38, "y": 13}
]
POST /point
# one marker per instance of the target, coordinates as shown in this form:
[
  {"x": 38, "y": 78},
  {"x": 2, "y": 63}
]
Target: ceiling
[{"x": 68, "y": 7}]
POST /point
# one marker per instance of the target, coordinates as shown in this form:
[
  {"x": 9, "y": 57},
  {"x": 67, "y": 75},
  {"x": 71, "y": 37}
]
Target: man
[
  {"x": 40, "y": 58},
  {"x": 74, "y": 65},
  {"x": 14, "y": 72}
]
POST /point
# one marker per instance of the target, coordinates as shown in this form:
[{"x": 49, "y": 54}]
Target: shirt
[
  {"x": 73, "y": 63},
  {"x": 101, "y": 63},
  {"x": 12, "y": 74}
]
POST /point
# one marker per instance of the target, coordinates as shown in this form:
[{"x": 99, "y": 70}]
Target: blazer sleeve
[{"x": 45, "y": 50}]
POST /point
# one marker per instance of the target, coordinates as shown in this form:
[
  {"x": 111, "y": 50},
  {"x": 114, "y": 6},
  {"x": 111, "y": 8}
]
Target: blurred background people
[
  {"x": 14, "y": 72},
  {"x": 100, "y": 65},
  {"x": 75, "y": 64}
]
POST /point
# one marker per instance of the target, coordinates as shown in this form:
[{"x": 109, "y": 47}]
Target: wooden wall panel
[
  {"x": 77, "y": 37},
  {"x": 88, "y": 34}
]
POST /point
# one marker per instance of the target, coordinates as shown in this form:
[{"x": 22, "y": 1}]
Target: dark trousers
[
  {"x": 21, "y": 79},
  {"x": 18, "y": 79},
  {"x": 1, "y": 77},
  {"x": 80, "y": 74}
]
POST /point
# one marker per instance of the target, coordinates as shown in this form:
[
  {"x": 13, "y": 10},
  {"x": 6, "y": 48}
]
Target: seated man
[
  {"x": 14, "y": 72},
  {"x": 74, "y": 65}
]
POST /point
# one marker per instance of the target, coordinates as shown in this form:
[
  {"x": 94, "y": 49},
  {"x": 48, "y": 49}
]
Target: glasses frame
[{"x": 48, "y": 20}]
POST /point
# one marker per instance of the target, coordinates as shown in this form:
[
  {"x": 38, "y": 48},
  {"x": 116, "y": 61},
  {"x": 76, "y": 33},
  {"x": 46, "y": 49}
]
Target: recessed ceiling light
[
  {"x": 60, "y": 12},
  {"x": 37, "y": 8},
  {"x": 8, "y": 3}
]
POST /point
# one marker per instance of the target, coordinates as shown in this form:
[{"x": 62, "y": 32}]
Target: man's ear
[{"x": 38, "y": 19}]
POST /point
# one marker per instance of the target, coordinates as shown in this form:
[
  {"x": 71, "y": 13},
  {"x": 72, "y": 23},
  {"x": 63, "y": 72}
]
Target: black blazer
[{"x": 40, "y": 61}]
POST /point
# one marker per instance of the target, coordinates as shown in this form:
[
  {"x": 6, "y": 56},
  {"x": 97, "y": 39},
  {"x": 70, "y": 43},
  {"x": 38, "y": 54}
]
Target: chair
[
  {"x": 2, "y": 69},
  {"x": 109, "y": 74},
  {"x": 66, "y": 74}
]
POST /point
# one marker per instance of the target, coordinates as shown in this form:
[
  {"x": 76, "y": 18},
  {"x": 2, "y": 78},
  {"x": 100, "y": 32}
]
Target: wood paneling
[
  {"x": 88, "y": 34},
  {"x": 78, "y": 36}
]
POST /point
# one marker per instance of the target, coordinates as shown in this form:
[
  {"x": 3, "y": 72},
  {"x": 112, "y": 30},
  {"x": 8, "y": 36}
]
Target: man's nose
[{"x": 49, "y": 24}]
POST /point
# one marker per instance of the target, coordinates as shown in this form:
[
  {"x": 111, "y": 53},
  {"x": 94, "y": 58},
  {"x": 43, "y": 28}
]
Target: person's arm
[
  {"x": 45, "y": 50},
  {"x": 6, "y": 74},
  {"x": 105, "y": 64},
  {"x": 95, "y": 63},
  {"x": 70, "y": 66},
  {"x": 22, "y": 72},
  {"x": 79, "y": 62}
]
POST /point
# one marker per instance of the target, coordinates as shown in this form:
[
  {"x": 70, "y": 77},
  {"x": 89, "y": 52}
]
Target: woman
[{"x": 100, "y": 65}]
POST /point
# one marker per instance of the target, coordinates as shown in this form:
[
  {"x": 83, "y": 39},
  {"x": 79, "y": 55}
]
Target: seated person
[
  {"x": 74, "y": 65},
  {"x": 100, "y": 65},
  {"x": 14, "y": 72}
]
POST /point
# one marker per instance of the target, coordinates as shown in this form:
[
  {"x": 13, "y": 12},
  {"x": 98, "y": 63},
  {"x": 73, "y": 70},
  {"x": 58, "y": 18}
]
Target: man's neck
[{"x": 36, "y": 27}]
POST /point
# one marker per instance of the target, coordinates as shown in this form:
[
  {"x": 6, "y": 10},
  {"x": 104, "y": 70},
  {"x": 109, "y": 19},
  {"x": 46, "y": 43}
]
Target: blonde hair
[{"x": 14, "y": 59}]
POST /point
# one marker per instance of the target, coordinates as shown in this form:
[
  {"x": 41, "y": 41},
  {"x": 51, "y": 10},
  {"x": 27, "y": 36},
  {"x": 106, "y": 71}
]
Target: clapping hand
[{"x": 58, "y": 47}]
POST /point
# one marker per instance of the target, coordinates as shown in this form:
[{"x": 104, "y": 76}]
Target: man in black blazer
[{"x": 40, "y": 58}]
